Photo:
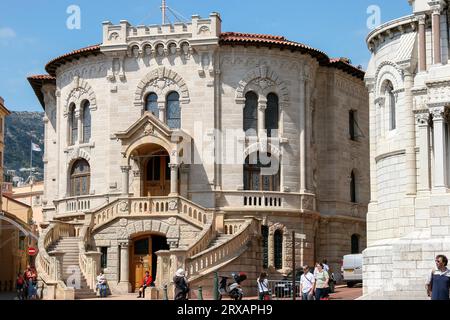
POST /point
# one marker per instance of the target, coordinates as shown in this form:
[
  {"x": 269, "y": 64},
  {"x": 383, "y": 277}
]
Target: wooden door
[
  {"x": 157, "y": 176},
  {"x": 141, "y": 260}
]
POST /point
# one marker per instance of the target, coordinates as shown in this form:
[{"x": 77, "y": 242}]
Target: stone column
[
  {"x": 436, "y": 26},
  {"x": 125, "y": 180},
  {"x": 124, "y": 285},
  {"x": 162, "y": 111},
  {"x": 262, "y": 106},
  {"x": 374, "y": 118},
  {"x": 424, "y": 153},
  {"x": 409, "y": 135},
  {"x": 439, "y": 148},
  {"x": 302, "y": 129},
  {"x": 174, "y": 179},
  {"x": 422, "y": 44}
]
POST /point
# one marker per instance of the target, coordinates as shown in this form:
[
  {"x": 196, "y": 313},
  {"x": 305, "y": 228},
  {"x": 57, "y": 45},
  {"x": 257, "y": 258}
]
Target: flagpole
[{"x": 31, "y": 160}]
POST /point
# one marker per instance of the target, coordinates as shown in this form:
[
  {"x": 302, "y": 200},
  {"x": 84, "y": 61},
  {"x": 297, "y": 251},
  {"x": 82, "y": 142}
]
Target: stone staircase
[
  {"x": 68, "y": 250},
  {"x": 220, "y": 239}
]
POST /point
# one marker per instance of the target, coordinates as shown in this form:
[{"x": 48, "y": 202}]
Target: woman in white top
[
  {"x": 307, "y": 282},
  {"x": 263, "y": 287}
]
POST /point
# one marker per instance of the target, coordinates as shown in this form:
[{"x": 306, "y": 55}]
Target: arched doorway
[
  {"x": 155, "y": 175},
  {"x": 143, "y": 257}
]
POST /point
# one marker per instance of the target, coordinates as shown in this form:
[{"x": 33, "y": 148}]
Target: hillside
[{"x": 21, "y": 129}]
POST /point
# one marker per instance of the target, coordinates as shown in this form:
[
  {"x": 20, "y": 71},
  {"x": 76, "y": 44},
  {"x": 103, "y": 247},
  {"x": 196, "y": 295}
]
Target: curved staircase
[
  {"x": 68, "y": 251},
  {"x": 62, "y": 255}
]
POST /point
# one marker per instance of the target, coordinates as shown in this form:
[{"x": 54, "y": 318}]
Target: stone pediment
[{"x": 147, "y": 125}]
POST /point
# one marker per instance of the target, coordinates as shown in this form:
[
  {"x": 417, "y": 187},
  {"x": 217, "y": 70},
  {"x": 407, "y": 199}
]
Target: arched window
[
  {"x": 151, "y": 104},
  {"x": 353, "y": 187},
  {"x": 390, "y": 99},
  {"x": 73, "y": 125},
  {"x": 173, "y": 110},
  {"x": 272, "y": 113},
  {"x": 278, "y": 249},
  {"x": 355, "y": 244},
  {"x": 257, "y": 179},
  {"x": 86, "y": 122},
  {"x": 80, "y": 177},
  {"x": 251, "y": 113},
  {"x": 265, "y": 244}
]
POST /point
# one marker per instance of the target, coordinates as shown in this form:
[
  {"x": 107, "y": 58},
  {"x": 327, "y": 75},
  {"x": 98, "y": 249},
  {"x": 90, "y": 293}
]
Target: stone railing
[
  {"x": 124, "y": 207},
  {"x": 233, "y": 226},
  {"x": 89, "y": 261},
  {"x": 265, "y": 200},
  {"x": 48, "y": 267},
  {"x": 222, "y": 252},
  {"x": 202, "y": 242},
  {"x": 79, "y": 204}
]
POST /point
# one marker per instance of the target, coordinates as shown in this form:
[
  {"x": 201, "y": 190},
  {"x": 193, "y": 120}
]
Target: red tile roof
[
  {"x": 37, "y": 81},
  {"x": 226, "y": 38},
  {"x": 83, "y": 52}
]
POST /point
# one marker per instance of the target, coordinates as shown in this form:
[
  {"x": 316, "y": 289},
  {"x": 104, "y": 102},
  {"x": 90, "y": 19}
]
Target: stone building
[
  {"x": 31, "y": 195},
  {"x": 157, "y": 157},
  {"x": 409, "y": 212}
]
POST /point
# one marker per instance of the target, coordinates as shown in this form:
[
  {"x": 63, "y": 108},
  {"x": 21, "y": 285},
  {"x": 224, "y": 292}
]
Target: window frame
[
  {"x": 168, "y": 110},
  {"x": 76, "y": 180},
  {"x": 148, "y": 108},
  {"x": 87, "y": 133},
  {"x": 253, "y": 112}
]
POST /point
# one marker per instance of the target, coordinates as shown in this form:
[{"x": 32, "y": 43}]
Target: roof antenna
[
  {"x": 167, "y": 11},
  {"x": 163, "y": 9}
]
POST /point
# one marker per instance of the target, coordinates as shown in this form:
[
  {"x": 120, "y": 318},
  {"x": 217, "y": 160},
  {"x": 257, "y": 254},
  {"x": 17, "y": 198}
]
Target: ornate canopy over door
[{"x": 153, "y": 150}]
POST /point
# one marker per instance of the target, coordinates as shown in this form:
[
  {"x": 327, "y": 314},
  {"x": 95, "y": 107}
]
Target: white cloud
[{"x": 6, "y": 33}]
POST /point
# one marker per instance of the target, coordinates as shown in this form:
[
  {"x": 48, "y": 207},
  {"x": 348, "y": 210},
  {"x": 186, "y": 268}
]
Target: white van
[{"x": 352, "y": 269}]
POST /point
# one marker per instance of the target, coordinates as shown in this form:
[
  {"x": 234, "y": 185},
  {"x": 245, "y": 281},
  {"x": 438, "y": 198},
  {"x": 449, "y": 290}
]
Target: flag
[{"x": 35, "y": 147}]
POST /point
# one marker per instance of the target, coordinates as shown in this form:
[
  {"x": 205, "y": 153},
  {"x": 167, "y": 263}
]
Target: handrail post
[
  {"x": 165, "y": 297},
  {"x": 200, "y": 293}
]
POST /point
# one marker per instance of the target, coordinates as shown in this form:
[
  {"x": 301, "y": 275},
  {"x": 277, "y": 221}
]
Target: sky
[{"x": 33, "y": 32}]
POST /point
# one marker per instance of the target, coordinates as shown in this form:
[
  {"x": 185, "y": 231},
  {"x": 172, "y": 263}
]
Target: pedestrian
[
  {"x": 181, "y": 285},
  {"x": 27, "y": 275},
  {"x": 307, "y": 282},
  {"x": 146, "y": 282},
  {"x": 102, "y": 285},
  {"x": 263, "y": 287},
  {"x": 325, "y": 265},
  {"x": 438, "y": 284},
  {"x": 32, "y": 283},
  {"x": 321, "y": 284},
  {"x": 20, "y": 285}
]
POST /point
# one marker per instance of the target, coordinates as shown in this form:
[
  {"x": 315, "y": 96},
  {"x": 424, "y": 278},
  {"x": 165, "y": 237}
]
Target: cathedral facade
[
  {"x": 182, "y": 146},
  {"x": 409, "y": 213}
]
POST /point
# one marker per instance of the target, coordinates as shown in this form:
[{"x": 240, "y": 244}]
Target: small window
[
  {"x": 278, "y": 249},
  {"x": 272, "y": 114},
  {"x": 86, "y": 122},
  {"x": 151, "y": 104},
  {"x": 265, "y": 244},
  {"x": 251, "y": 113},
  {"x": 352, "y": 124},
  {"x": 104, "y": 257},
  {"x": 173, "y": 111},
  {"x": 73, "y": 125},
  {"x": 390, "y": 98},
  {"x": 353, "y": 187},
  {"x": 355, "y": 244}
]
